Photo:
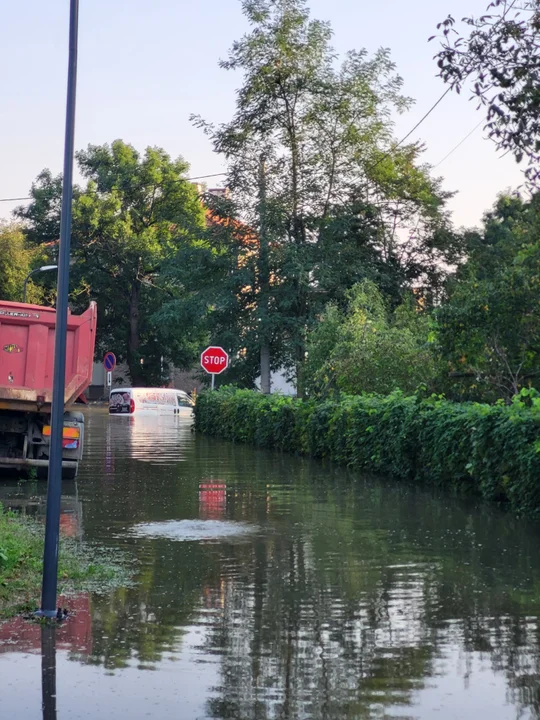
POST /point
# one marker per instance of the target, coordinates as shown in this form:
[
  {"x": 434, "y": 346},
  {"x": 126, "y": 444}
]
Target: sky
[{"x": 146, "y": 66}]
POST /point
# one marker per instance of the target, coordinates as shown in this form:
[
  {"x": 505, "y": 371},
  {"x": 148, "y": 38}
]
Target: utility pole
[
  {"x": 264, "y": 282},
  {"x": 54, "y": 488}
]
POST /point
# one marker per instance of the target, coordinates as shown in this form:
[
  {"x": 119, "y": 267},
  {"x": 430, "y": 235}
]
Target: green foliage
[
  {"x": 17, "y": 259},
  {"x": 367, "y": 348},
  {"x": 134, "y": 215},
  {"x": 498, "y": 57},
  {"x": 315, "y": 172},
  {"x": 21, "y": 563},
  {"x": 493, "y": 451},
  {"x": 218, "y": 276},
  {"x": 490, "y": 324}
]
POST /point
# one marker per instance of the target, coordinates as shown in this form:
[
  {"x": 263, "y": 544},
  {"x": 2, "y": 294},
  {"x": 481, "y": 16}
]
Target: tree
[
  {"x": 370, "y": 349},
  {"x": 341, "y": 200},
  {"x": 489, "y": 328},
  {"x": 500, "y": 57},
  {"x": 132, "y": 217},
  {"x": 220, "y": 279},
  {"x": 17, "y": 259}
]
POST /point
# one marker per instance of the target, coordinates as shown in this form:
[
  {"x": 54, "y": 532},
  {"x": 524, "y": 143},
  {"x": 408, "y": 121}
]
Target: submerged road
[{"x": 273, "y": 587}]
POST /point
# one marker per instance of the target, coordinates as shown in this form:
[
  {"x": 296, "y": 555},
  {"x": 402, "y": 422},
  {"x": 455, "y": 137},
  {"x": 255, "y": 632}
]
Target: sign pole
[
  {"x": 213, "y": 380},
  {"x": 109, "y": 363},
  {"x": 54, "y": 488}
]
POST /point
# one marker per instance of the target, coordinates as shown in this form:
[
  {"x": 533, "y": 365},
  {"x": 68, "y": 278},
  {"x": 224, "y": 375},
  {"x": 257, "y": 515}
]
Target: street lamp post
[
  {"x": 43, "y": 268},
  {"x": 54, "y": 488}
]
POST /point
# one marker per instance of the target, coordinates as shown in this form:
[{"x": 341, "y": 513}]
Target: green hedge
[{"x": 492, "y": 450}]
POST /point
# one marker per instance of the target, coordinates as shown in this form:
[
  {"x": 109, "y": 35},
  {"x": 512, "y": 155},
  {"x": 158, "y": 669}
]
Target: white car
[{"x": 150, "y": 401}]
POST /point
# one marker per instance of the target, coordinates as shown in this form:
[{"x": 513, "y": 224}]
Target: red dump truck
[{"x": 26, "y": 379}]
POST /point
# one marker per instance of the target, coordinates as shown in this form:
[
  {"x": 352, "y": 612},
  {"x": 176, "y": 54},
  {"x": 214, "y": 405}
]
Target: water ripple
[{"x": 193, "y": 530}]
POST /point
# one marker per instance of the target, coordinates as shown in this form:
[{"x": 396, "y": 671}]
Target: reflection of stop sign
[{"x": 214, "y": 360}]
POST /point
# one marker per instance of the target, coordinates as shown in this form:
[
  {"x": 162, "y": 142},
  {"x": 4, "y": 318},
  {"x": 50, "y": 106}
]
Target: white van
[{"x": 149, "y": 401}]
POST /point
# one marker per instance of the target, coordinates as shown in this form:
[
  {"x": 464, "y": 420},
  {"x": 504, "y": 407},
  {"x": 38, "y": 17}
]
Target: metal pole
[
  {"x": 213, "y": 380},
  {"x": 54, "y": 489},
  {"x": 27, "y": 278}
]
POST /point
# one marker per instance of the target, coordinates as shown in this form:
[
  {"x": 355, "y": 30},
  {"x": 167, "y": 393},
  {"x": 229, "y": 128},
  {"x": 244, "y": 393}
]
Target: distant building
[
  {"x": 220, "y": 192},
  {"x": 217, "y": 192},
  {"x": 280, "y": 383}
]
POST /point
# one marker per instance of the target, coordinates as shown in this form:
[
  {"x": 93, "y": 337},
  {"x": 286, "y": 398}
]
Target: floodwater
[{"x": 273, "y": 587}]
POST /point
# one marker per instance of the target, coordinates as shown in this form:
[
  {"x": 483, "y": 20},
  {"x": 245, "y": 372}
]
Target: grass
[{"x": 81, "y": 568}]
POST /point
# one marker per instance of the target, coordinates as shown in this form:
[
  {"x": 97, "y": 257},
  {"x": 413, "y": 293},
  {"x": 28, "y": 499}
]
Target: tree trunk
[
  {"x": 133, "y": 357},
  {"x": 266, "y": 385},
  {"x": 300, "y": 358},
  {"x": 264, "y": 284}
]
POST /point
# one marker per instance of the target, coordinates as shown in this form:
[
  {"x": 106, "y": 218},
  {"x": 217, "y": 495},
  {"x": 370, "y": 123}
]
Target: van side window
[{"x": 183, "y": 401}]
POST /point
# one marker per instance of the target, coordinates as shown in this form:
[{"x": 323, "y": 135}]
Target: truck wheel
[{"x": 70, "y": 473}]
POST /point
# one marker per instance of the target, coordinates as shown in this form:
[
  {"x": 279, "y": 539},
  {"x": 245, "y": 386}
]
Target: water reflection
[
  {"x": 158, "y": 439},
  {"x": 30, "y": 499},
  {"x": 354, "y": 598},
  {"x": 212, "y": 500},
  {"x": 48, "y": 671},
  {"x": 74, "y": 635}
]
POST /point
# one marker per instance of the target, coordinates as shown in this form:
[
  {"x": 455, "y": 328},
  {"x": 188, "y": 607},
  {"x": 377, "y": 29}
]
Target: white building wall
[{"x": 279, "y": 383}]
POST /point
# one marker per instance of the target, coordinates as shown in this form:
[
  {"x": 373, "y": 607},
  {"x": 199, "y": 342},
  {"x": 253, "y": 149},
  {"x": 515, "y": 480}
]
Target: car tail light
[{"x": 132, "y": 405}]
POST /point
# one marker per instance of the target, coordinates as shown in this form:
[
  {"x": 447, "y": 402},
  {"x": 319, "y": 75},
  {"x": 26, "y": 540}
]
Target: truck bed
[{"x": 27, "y": 355}]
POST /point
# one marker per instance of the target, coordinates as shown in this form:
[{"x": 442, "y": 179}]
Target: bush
[
  {"x": 370, "y": 349},
  {"x": 491, "y": 450}
]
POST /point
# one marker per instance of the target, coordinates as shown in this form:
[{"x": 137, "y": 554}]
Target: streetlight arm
[
  {"x": 27, "y": 278},
  {"x": 43, "y": 268}
]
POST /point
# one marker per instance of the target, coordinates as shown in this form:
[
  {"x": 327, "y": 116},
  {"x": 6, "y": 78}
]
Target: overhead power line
[
  {"x": 405, "y": 137},
  {"x": 383, "y": 157},
  {"x": 380, "y": 160},
  {"x": 431, "y": 109},
  {"x": 198, "y": 177},
  {"x": 460, "y": 143},
  {"x": 14, "y": 199},
  {"x": 202, "y": 177}
]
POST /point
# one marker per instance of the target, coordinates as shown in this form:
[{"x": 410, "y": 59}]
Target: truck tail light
[
  {"x": 132, "y": 405},
  {"x": 68, "y": 433}
]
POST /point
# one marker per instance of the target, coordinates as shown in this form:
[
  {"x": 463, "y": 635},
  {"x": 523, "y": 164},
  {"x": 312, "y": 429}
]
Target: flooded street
[{"x": 273, "y": 587}]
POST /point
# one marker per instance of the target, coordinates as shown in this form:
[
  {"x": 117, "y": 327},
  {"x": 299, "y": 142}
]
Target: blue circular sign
[{"x": 109, "y": 361}]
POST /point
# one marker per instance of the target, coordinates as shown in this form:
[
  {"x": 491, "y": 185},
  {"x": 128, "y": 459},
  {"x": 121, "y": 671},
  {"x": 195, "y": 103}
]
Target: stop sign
[{"x": 214, "y": 360}]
